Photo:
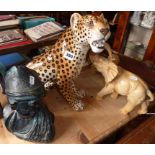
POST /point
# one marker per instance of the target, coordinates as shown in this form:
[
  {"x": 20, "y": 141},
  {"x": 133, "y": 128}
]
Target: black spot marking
[{"x": 53, "y": 70}]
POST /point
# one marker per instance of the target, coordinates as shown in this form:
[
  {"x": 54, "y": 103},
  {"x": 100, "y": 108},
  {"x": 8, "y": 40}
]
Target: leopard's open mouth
[{"x": 99, "y": 43}]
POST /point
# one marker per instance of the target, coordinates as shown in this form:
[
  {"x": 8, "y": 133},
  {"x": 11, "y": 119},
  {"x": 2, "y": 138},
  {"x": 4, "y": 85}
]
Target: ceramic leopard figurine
[{"x": 61, "y": 63}]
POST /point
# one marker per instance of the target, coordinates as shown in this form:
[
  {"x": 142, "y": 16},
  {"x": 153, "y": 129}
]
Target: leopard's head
[{"x": 90, "y": 29}]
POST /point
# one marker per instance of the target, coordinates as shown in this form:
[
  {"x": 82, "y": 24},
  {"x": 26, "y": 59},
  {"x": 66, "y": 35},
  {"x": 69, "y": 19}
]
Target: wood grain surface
[{"x": 97, "y": 121}]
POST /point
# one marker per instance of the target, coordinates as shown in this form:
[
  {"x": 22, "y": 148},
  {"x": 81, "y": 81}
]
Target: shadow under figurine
[{"x": 25, "y": 116}]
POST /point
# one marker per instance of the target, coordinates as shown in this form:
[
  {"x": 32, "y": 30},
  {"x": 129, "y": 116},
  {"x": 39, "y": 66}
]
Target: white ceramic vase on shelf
[{"x": 148, "y": 19}]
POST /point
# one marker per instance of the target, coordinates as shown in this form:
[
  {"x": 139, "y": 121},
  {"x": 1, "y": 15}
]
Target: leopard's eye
[{"x": 90, "y": 23}]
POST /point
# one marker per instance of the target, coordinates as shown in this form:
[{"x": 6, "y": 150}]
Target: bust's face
[{"x": 25, "y": 107}]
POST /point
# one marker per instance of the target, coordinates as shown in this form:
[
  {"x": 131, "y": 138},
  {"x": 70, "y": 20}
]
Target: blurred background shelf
[
  {"x": 129, "y": 32},
  {"x": 28, "y": 46}
]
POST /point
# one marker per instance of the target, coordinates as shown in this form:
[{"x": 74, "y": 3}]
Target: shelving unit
[
  {"x": 137, "y": 34},
  {"x": 29, "y": 46},
  {"x": 137, "y": 41}
]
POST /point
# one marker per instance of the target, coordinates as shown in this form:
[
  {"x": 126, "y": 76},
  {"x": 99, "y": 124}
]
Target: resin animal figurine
[
  {"x": 61, "y": 63},
  {"x": 119, "y": 81}
]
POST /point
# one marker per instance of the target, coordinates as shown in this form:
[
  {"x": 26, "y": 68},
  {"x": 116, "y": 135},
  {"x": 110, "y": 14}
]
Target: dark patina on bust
[{"x": 25, "y": 116}]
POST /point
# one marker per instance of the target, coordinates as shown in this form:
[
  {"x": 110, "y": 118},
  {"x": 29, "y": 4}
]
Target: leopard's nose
[{"x": 104, "y": 31}]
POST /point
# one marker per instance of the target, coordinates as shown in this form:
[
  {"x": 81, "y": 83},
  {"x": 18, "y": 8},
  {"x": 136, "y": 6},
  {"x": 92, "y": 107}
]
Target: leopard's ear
[
  {"x": 101, "y": 16},
  {"x": 73, "y": 20}
]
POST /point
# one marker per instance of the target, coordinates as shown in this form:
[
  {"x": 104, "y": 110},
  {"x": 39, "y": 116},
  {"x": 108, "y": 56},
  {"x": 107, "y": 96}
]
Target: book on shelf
[
  {"x": 28, "y": 22},
  {"x": 44, "y": 31},
  {"x": 16, "y": 44},
  {"x": 7, "y": 17},
  {"x": 11, "y": 59},
  {"x": 8, "y": 21},
  {"x": 11, "y": 36},
  {"x": 49, "y": 37}
]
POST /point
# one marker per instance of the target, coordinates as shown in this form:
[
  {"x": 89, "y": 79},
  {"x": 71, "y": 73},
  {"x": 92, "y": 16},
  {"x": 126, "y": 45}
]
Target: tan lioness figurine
[{"x": 119, "y": 81}]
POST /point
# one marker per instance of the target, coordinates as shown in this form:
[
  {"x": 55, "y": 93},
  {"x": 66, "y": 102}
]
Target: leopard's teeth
[{"x": 98, "y": 43}]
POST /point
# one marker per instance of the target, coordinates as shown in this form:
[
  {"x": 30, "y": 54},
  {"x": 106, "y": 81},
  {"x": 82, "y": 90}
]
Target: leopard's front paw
[{"x": 78, "y": 106}]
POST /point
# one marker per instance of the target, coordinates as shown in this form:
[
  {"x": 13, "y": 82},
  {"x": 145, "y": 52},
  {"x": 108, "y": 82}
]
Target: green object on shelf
[{"x": 28, "y": 22}]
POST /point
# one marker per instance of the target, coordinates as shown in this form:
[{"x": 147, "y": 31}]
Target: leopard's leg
[
  {"x": 80, "y": 92},
  {"x": 68, "y": 90},
  {"x": 48, "y": 84}
]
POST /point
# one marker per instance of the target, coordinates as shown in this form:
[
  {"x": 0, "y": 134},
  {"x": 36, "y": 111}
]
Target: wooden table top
[{"x": 97, "y": 121}]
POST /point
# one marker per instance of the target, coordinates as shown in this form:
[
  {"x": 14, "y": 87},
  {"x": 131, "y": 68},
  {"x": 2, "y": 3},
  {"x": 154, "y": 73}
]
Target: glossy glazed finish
[{"x": 61, "y": 63}]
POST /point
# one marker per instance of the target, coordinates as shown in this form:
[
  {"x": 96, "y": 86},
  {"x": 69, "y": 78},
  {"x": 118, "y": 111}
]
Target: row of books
[
  {"x": 44, "y": 31},
  {"x": 34, "y": 29},
  {"x": 8, "y": 21},
  {"x": 10, "y": 32}
]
